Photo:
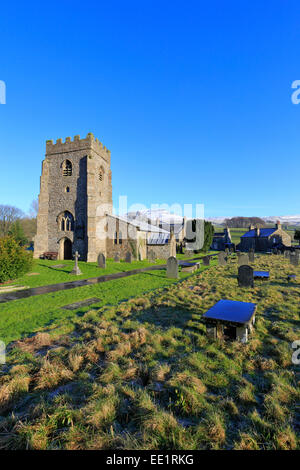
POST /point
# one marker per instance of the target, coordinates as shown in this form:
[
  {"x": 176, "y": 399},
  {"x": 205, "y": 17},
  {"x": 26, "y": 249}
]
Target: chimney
[
  {"x": 278, "y": 225},
  {"x": 257, "y": 231},
  {"x": 251, "y": 227}
]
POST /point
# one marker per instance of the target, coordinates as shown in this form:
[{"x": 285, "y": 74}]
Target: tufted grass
[{"x": 142, "y": 374}]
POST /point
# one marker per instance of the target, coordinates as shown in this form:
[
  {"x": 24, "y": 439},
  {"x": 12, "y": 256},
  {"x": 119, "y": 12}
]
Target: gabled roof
[{"x": 264, "y": 233}]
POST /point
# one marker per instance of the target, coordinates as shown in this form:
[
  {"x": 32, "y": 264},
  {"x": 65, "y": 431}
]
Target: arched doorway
[{"x": 67, "y": 249}]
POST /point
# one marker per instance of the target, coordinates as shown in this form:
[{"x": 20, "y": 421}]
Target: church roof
[{"x": 143, "y": 226}]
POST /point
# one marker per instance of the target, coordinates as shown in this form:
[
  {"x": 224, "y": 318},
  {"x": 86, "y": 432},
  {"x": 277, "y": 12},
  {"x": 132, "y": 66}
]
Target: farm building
[
  {"x": 264, "y": 239},
  {"x": 221, "y": 240}
]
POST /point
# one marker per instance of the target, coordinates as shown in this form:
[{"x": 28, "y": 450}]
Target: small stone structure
[
  {"x": 172, "y": 268},
  {"x": 117, "y": 258},
  {"x": 128, "y": 257},
  {"x": 245, "y": 276},
  {"x": 189, "y": 267},
  {"x": 230, "y": 319},
  {"x": 101, "y": 261}
]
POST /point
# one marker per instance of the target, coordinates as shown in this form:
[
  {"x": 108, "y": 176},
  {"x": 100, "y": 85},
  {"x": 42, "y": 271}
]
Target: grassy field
[
  {"x": 143, "y": 375},
  {"x": 25, "y": 316}
]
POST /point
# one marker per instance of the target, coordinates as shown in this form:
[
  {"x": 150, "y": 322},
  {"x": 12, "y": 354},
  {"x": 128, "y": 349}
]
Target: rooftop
[
  {"x": 264, "y": 232},
  {"x": 231, "y": 311}
]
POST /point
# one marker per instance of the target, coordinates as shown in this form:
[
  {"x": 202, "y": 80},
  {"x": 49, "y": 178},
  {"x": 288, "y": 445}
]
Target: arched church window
[
  {"x": 66, "y": 222},
  {"x": 67, "y": 168},
  {"x": 116, "y": 238},
  {"x": 120, "y": 238}
]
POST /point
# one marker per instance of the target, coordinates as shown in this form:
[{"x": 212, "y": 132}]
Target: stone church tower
[{"x": 75, "y": 196}]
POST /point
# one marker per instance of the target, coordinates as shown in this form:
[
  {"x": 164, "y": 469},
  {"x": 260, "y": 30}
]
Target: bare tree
[
  {"x": 8, "y": 215},
  {"x": 34, "y": 208}
]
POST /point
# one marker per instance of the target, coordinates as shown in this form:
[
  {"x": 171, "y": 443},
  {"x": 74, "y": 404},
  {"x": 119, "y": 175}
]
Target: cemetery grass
[
  {"x": 22, "y": 317},
  {"x": 143, "y": 374},
  {"x": 45, "y": 272}
]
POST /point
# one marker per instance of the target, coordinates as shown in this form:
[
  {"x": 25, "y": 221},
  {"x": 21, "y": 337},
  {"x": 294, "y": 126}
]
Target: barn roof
[{"x": 264, "y": 232}]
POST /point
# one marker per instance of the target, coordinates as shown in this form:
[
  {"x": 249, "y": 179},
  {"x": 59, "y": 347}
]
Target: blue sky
[{"x": 192, "y": 98}]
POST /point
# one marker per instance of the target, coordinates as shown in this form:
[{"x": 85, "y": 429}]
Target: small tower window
[
  {"x": 67, "y": 190},
  {"x": 100, "y": 176},
  {"x": 67, "y": 168},
  {"x": 116, "y": 238}
]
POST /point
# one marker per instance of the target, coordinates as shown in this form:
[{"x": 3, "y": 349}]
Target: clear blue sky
[{"x": 192, "y": 98}]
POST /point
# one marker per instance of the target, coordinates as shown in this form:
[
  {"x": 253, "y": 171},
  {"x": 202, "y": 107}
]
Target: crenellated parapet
[{"x": 69, "y": 145}]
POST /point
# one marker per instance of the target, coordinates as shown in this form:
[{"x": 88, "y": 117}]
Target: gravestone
[
  {"x": 243, "y": 259},
  {"x": 206, "y": 260},
  {"x": 251, "y": 255},
  {"x": 286, "y": 254},
  {"x": 101, "y": 261},
  {"x": 76, "y": 271},
  {"x": 245, "y": 276},
  {"x": 172, "y": 268},
  {"x": 117, "y": 258},
  {"x": 294, "y": 259},
  {"x": 222, "y": 258},
  {"x": 151, "y": 256},
  {"x": 128, "y": 257}
]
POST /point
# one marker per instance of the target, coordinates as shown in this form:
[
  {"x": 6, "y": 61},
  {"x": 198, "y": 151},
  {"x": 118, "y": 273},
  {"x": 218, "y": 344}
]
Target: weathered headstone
[
  {"x": 243, "y": 259},
  {"x": 251, "y": 255},
  {"x": 128, "y": 257},
  {"x": 222, "y": 258},
  {"x": 245, "y": 276},
  {"x": 286, "y": 254},
  {"x": 76, "y": 271},
  {"x": 294, "y": 259},
  {"x": 206, "y": 260},
  {"x": 172, "y": 268},
  {"x": 151, "y": 256},
  {"x": 101, "y": 260},
  {"x": 117, "y": 258}
]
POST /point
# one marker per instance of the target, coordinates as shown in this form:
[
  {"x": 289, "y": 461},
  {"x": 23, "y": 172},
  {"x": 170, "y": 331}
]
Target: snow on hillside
[{"x": 165, "y": 217}]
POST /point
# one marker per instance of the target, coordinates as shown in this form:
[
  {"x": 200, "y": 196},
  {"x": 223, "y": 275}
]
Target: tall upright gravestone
[
  {"x": 222, "y": 258},
  {"x": 101, "y": 260},
  {"x": 245, "y": 276},
  {"x": 243, "y": 259},
  {"x": 294, "y": 259},
  {"x": 117, "y": 258},
  {"x": 128, "y": 257},
  {"x": 172, "y": 268},
  {"x": 151, "y": 256},
  {"x": 251, "y": 255},
  {"x": 206, "y": 260}
]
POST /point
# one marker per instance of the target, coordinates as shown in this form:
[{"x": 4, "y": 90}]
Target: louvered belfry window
[{"x": 67, "y": 168}]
